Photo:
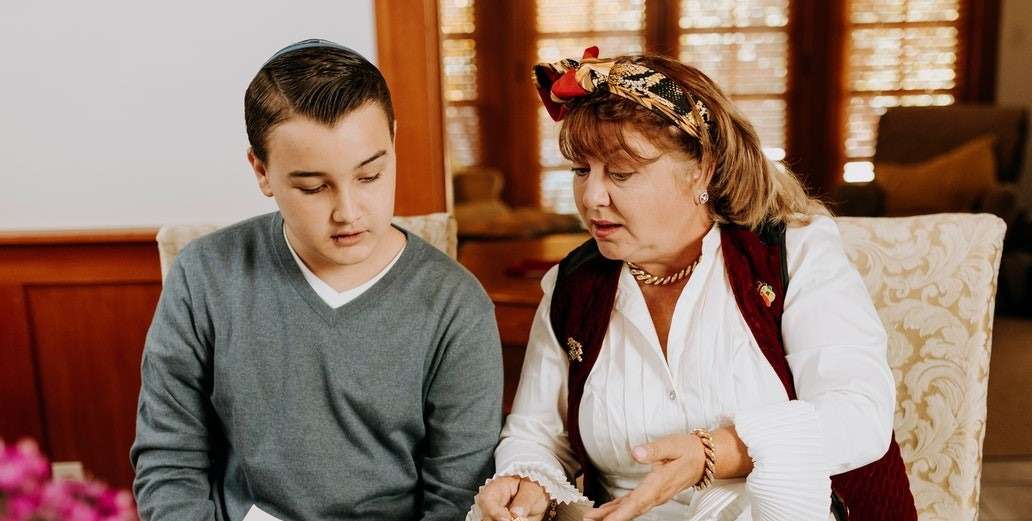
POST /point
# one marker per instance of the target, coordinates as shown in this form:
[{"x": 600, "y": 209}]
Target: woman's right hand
[{"x": 508, "y": 496}]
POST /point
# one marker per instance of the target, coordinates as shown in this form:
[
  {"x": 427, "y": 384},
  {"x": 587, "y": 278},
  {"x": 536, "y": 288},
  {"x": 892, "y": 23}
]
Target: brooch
[
  {"x": 766, "y": 293},
  {"x": 573, "y": 350}
]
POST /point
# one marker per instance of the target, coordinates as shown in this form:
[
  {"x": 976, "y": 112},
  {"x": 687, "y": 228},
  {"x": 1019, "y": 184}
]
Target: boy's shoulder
[
  {"x": 228, "y": 245},
  {"x": 438, "y": 270}
]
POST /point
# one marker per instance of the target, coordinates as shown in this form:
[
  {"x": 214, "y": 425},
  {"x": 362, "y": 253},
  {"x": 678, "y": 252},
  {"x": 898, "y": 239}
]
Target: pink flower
[
  {"x": 28, "y": 494},
  {"x": 23, "y": 469},
  {"x": 21, "y": 508}
]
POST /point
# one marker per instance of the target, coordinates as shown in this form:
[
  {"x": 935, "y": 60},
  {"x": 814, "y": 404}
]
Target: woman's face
[{"x": 642, "y": 213}]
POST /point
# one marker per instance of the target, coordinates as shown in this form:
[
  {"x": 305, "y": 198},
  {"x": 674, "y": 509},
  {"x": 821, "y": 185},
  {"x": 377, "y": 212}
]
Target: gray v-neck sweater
[{"x": 257, "y": 392}]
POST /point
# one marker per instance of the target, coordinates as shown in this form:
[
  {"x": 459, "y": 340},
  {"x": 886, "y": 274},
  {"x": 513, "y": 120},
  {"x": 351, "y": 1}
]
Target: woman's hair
[
  {"x": 746, "y": 187},
  {"x": 321, "y": 83}
]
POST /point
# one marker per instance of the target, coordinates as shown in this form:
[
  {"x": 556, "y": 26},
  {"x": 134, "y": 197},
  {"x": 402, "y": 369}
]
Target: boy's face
[{"x": 334, "y": 185}]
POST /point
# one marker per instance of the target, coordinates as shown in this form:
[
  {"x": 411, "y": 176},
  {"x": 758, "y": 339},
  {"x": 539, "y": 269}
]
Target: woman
[{"x": 669, "y": 407}]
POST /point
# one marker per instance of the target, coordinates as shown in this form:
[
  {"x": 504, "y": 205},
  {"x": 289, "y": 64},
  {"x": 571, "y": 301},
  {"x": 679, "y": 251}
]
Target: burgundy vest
[{"x": 582, "y": 303}]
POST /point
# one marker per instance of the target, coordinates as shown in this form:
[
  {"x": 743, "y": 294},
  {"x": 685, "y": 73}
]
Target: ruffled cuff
[
  {"x": 551, "y": 479},
  {"x": 790, "y": 478},
  {"x": 724, "y": 501}
]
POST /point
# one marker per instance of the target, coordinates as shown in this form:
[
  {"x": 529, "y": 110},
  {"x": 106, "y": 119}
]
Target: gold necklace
[{"x": 645, "y": 277}]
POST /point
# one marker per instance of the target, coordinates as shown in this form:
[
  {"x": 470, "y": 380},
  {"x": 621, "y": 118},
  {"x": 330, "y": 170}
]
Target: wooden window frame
[
  {"x": 508, "y": 106},
  {"x": 510, "y": 136}
]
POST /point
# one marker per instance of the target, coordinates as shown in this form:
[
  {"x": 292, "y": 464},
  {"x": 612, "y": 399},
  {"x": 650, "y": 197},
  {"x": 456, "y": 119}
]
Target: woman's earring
[{"x": 702, "y": 198}]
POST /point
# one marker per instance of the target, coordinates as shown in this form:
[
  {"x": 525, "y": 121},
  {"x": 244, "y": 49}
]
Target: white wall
[
  {"x": 130, "y": 112},
  {"x": 1014, "y": 72}
]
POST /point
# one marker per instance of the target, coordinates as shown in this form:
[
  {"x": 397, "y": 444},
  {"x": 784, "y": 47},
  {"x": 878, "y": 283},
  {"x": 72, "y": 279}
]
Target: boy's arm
[
  {"x": 172, "y": 451},
  {"x": 463, "y": 412}
]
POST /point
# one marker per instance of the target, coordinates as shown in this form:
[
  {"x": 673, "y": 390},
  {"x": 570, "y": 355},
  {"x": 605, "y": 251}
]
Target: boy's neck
[{"x": 345, "y": 277}]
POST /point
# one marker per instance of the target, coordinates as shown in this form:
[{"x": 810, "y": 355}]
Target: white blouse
[{"x": 715, "y": 375}]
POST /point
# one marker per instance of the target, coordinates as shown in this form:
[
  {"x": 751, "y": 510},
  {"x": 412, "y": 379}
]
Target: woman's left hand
[{"x": 677, "y": 463}]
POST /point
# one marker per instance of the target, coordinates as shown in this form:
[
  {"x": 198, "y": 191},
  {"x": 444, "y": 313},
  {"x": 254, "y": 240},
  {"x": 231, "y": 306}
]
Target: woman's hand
[
  {"x": 509, "y": 496},
  {"x": 677, "y": 463}
]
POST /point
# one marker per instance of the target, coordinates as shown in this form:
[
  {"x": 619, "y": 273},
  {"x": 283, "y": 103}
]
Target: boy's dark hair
[{"x": 319, "y": 82}]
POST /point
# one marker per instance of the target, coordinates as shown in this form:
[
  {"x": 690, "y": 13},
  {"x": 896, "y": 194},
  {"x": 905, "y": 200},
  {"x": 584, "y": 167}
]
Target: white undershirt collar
[{"x": 330, "y": 296}]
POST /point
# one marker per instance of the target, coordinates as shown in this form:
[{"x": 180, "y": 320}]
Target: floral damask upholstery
[
  {"x": 438, "y": 229},
  {"x": 933, "y": 281}
]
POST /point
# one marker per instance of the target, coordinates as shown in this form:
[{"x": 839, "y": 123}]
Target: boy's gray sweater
[{"x": 257, "y": 392}]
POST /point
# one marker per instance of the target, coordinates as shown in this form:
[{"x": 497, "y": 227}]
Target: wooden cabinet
[
  {"x": 516, "y": 297},
  {"x": 74, "y": 313}
]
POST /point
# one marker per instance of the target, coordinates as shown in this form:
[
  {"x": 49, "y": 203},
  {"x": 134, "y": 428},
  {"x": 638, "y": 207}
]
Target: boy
[{"x": 317, "y": 362}]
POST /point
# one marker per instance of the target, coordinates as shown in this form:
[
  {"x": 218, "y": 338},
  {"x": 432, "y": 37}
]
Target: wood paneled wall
[{"x": 74, "y": 313}]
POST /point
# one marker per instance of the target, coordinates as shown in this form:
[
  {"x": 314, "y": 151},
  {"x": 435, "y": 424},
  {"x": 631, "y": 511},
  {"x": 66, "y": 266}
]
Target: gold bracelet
[{"x": 710, "y": 450}]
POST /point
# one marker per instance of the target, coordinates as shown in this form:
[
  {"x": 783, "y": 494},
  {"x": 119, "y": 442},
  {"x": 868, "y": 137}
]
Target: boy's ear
[{"x": 260, "y": 173}]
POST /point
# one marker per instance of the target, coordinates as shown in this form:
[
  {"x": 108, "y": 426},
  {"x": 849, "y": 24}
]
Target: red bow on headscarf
[
  {"x": 566, "y": 80},
  {"x": 558, "y": 83}
]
